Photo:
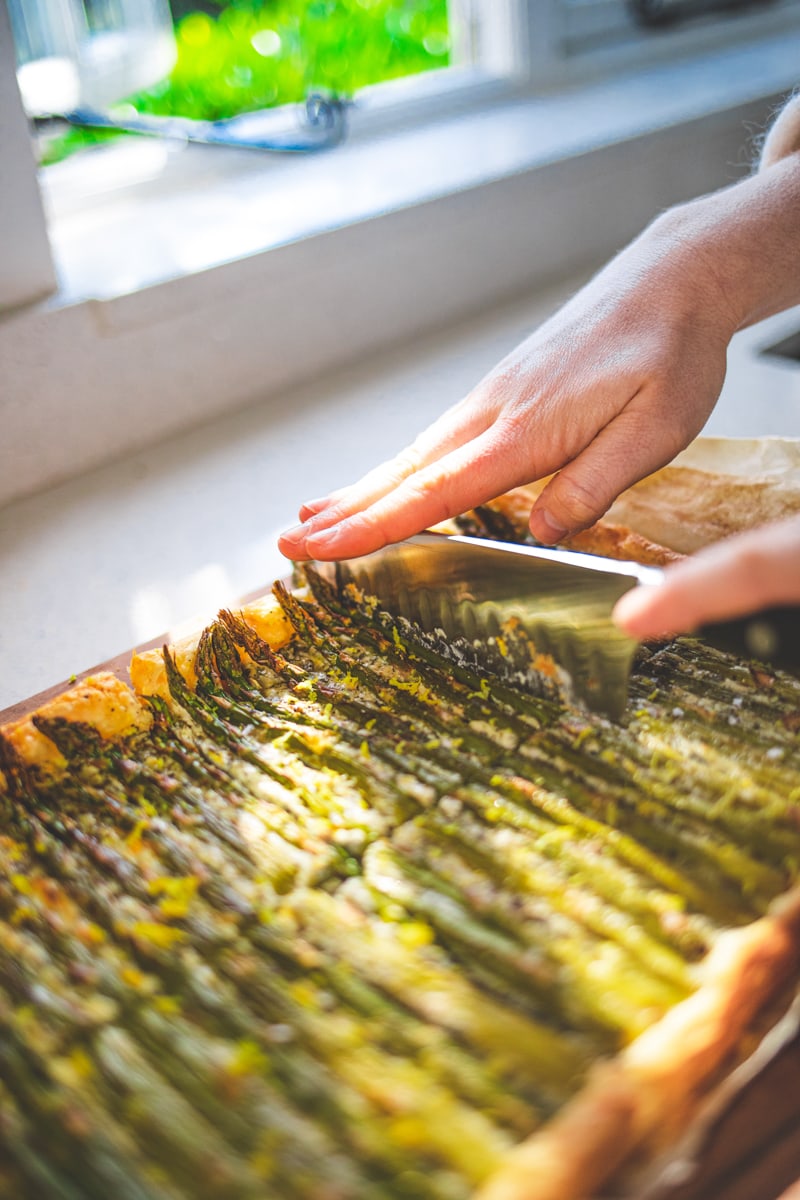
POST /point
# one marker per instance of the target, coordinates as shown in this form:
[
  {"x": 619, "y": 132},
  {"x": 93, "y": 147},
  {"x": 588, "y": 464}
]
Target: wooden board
[{"x": 117, "y": 666}]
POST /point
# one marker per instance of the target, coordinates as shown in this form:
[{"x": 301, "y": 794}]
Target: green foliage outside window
[
  {"x": 256, "y": 54},
  {"x": 249, "y": 54}
]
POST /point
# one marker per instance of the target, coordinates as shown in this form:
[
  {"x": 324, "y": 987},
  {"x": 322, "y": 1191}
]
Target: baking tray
[{"x": 744, "y": 1145}]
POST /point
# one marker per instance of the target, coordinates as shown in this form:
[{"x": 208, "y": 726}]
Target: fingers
[
  {"x": 469, "y": 475},
  {"x": 739, "y": 575},
  {"x": 313, "y": 507},
  {"x": 453, "y": 429},
  {"x": 637, "y": 442}
]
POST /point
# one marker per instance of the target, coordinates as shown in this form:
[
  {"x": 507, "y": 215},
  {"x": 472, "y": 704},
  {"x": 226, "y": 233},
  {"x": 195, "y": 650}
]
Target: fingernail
[
  {"x": 293, "y": 548},
  {"x": 327, "y": 540},
  {"x": 545, "y": 527},
  {"x": 313, "y": 507},
  {"x": 294, "y": 535}
]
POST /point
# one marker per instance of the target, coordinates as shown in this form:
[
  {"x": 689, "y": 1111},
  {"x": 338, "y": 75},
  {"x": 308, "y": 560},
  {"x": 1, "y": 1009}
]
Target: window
[
  {"x": 105, "y": 63},
  {"x": 401, "y": 59},
  {"x": 492, "y": 48}
]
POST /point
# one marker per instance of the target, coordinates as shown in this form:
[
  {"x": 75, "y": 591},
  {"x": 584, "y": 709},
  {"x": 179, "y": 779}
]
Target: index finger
[
  {"x": 458, "y": 426},
  {"x": 469, "y": 475}
]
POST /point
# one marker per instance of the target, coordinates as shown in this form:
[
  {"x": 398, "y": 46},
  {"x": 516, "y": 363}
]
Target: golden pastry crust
[
  {"x": 147, "y": 670},
  {"x": 102, "y": 701},
  {"x": 604, "y": 537},
  {"x": 620, "y": 542},
  {"x": 148, "y": 673}
]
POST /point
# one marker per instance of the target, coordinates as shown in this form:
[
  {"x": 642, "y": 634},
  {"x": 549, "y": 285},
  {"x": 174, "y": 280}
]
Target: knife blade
[{"x": 477, "y": 589}]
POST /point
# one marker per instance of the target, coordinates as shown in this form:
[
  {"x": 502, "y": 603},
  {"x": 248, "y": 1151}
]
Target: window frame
[
  {"x": 27, "y": 274},
  {"x": 568, "y": 40}
]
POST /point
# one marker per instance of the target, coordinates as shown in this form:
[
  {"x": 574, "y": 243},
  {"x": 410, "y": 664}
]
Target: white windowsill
[{"x": 147, "y": 211}]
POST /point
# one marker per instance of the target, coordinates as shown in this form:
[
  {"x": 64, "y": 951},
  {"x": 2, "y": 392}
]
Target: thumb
[
  {"x": 739, "y": 575},
  {"x": 622, "y": 453}
]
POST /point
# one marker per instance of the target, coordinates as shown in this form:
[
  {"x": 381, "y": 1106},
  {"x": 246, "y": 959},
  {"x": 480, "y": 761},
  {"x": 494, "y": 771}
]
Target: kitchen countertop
[{"x": 159, "y": 540}]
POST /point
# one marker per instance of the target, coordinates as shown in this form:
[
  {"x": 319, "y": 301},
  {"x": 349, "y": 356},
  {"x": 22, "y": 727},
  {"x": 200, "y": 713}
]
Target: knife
[{"x": 478, "y": 590}]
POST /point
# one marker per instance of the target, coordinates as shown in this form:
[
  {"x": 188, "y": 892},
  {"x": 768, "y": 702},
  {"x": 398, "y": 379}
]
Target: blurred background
[{"x": 210, "y": 60}]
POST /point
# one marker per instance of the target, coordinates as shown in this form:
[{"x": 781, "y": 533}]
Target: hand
[
  {"x": 605, "y": 392},
  {"x": 614, "y": 385},
  {"x": 739, "y": 575}
]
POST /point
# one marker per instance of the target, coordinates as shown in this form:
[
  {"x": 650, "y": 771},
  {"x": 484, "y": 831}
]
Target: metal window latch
[{"x": 322, "y": 125}]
